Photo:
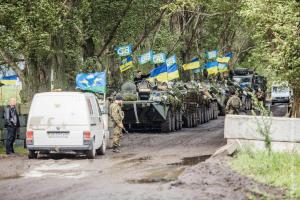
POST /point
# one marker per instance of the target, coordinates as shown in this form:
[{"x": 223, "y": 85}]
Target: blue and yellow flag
[
  {"x": 171, "y": 61},
  {"x": 124, "y": 50},
  {"x": 146, "y": 57},
  {"x": 223, "y": 59},
  {"x": 160, "y": 73},
  {"x": 94, "y": 82},
  {"x": 127, "y": 63},
  {"x": 212, "y": 67},
  {"x": 192, "y": 65},
  {"x": 173, "y": 72},
  {"x": 223, "y": 67},
  {"x": 212, "y": 54},
  {"x": 159, "y": 58},
  {"x": 230, "y": 55}
]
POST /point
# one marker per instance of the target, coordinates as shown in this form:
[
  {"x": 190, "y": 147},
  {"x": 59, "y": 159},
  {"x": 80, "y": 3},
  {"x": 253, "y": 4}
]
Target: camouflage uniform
[
  {"x": 233, "y": 105},
  {"x": 117, "y": 116}
]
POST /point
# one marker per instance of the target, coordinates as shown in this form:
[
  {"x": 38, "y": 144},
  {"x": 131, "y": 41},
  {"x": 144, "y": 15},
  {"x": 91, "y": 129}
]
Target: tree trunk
[{"x": 296, "y": 103}]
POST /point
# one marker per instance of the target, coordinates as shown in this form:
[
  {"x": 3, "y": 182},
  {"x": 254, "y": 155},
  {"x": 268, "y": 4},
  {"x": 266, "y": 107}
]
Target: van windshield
[{"x": 58, "y": 110}]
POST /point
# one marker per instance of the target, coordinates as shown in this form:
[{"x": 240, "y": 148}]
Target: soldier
[
  {"x": 117, "y": 116},
  {"x": 139, "y": 77},
  {"x": 260, "y": 95},
  {"x": 234, "y": 104}
]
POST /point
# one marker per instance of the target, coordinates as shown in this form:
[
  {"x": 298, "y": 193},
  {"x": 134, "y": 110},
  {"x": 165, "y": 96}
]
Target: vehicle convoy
[
  {"x": 66, "y": 121},
  {"x": 164, "y": 109},
  {"x": 281, "y": 93},
  {"x": 249, "y": 82},
  {"x": 147, "y": 108}
]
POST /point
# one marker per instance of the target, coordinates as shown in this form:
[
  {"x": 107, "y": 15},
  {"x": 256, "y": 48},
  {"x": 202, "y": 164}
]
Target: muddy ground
[{"x": 151, "y": 166}]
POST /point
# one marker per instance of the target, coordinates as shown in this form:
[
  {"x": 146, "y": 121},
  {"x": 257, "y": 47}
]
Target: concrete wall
[{"x": 244, "y": 130}]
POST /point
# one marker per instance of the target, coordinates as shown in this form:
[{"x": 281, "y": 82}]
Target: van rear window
[{"x": 58, "y": 110}]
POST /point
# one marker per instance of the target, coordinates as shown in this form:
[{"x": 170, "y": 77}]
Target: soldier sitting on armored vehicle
[{"x": 139, "y": 77}]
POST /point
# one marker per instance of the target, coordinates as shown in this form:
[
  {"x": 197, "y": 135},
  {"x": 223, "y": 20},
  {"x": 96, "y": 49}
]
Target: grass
[
  {"x": 277, "y": 169},
  {"x": 18, "y": 150}
]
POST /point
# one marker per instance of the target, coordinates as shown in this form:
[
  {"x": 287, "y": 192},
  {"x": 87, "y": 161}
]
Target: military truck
[{"x": 148, "y": 106}]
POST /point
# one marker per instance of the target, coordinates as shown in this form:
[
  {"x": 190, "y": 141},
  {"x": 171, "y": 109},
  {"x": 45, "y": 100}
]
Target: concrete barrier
[{"x": 244, "y": 130}]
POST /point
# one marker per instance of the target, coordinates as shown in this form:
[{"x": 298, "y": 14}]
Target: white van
[{"x": 66, "y": 121}]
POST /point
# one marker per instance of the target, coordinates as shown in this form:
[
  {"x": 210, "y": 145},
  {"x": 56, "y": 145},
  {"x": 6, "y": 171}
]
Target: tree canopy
[{"x": 69, "y": 36}]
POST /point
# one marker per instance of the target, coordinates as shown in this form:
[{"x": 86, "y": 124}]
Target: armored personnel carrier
[{"x": 148, "y": 106}]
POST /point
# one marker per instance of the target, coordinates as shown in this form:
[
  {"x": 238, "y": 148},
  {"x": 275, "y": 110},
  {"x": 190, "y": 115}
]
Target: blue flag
[
  {"x": 159, "y": 58},
  {"x": 94, "y": 82},
  {"x": 124, "y": 50},
  {"x": 230, "y": 55},
  {"x": 146, "y": 57},
  {"x": 171, "y": 61},
  {"x": 212, "y": 54}
]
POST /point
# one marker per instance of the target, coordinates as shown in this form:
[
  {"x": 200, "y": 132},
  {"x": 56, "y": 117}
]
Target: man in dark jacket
[
  {"x": 12, "y": 123},
  {"x": 139, "y": 77}
]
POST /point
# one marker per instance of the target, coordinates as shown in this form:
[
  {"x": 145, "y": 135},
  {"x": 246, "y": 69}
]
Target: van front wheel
[
  {"x": 32, "y": 154},
  {"x": 91, "y": 153}
]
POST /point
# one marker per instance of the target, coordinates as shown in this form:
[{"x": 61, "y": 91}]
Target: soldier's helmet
[{"x": 119, "y": 97}]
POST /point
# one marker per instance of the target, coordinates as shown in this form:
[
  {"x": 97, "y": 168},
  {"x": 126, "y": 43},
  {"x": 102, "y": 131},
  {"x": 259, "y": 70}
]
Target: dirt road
[{"x": 151, "y": 166}]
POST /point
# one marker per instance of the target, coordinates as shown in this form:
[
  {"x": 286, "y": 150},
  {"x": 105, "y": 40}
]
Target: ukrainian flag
[
  {"x": 223, "y": 59},
  {"x": 223, "y": 67},
  {"x": 127, "y": 63},
  {"x": 173, "y": 72},
  {"x": 212, "y": 67},
  {"x": 192, "y": 65},
  {"x": 159, "y": 73}
]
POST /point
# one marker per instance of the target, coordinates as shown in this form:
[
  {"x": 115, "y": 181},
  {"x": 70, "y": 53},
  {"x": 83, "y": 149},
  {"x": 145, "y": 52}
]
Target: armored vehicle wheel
[
  {"x": 202, "y": 115},
  {"x": 206, "y": 115},
  {"x": 166, "y": 126},
  {"x": 194, "y": 120},
  {"x": 177, "y": 121},
  {"x": 180, "y": 120},
  {"x": 173, "y": 121}
]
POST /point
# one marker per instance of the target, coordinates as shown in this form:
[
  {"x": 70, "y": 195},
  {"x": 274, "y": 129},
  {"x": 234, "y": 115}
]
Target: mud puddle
[
  {"x": 162, "y": 175},
  {"x": 189, "y": 161},
  {"x": 137, "y": 160},
  {"x": 16, "y": 176}
]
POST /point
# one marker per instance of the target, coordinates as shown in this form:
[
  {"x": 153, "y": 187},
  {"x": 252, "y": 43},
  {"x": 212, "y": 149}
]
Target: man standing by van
[
  {"x": 117, "y": 116},
  {"x": 12, "y": 123}
]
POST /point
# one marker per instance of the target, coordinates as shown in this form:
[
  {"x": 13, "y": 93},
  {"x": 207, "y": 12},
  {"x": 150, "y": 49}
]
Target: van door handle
[{"x": 93, "y": 124}]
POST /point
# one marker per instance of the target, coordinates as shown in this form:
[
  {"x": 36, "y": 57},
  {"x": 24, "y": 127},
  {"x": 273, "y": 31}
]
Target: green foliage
[
  {"x": 275, "y": 33},
  {"x": 277, "y": 169}
]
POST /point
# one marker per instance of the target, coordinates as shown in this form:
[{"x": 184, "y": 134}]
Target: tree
[{"x": 276, "y": 35}]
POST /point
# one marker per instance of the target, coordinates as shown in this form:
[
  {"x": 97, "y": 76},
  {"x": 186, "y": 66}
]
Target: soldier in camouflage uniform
[
  {"x": 117, "y": 116},
  {"x": 234, "y": 104}
]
